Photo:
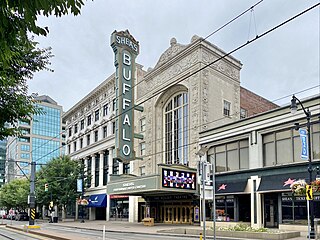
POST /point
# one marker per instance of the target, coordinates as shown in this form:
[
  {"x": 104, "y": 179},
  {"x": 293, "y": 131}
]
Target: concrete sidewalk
[{"x": 118, "y": 226}]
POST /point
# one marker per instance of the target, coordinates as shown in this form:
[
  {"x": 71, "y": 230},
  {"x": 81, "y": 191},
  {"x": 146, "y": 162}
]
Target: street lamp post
[
  {"x": 294, "y": 108},
  {"x": 202, "y": 166}
]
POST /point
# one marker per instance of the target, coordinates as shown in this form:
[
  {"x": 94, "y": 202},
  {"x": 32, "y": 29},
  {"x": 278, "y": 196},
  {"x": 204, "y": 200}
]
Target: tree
[
  {"x": 61, "y": 175},
  {"x": 15, "y": 194},
  {"x": 20, "y": 58}
]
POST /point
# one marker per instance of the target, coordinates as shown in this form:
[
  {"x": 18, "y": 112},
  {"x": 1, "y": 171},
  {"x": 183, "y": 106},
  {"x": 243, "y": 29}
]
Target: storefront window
[
  {"x": 225, "y": 208},
  {"x": 294, "y": 208},
  {"x": 119, "y": 209}
]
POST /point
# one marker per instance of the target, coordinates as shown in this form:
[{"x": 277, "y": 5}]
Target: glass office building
[{"x": 42, "y": 139}]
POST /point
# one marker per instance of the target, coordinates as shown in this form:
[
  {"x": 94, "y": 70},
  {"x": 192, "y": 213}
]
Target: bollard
[
  {"x": 104, "y": 232},
  {"x": 200, "y": 236}
]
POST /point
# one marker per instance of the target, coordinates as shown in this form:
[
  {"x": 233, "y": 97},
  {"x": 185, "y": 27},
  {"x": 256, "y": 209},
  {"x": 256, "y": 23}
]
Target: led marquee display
[{"x": 178, "y": 179}]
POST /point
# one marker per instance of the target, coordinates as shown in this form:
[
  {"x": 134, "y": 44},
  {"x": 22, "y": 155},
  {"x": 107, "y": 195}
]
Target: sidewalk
[{"x": 117, "y": 226}]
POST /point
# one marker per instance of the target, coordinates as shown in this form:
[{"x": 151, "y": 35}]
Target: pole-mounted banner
[
  {"x": 126, "y": 49},
  {"x": 304, "y": 144}
]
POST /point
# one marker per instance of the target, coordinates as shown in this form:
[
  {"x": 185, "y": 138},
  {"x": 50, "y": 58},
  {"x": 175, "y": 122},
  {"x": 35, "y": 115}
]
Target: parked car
[{"x": 22, "y": 216}]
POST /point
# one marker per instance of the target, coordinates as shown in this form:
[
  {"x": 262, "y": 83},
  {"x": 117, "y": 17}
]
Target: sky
[{"x": 282, "y": 63}]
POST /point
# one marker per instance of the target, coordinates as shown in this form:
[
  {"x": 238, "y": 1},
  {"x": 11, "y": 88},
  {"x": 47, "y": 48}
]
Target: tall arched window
[{"x": 176, "y": 130}]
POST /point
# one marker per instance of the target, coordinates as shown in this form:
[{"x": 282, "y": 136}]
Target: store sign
[
  {"x": 178, "y": 179},
  {"x": 126, "y": 49}
]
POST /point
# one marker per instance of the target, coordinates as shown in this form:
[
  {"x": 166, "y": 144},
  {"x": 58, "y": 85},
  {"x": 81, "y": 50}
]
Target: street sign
[
  {"x": 309, "y": 193},
  {"x": 304, "y": 144}
]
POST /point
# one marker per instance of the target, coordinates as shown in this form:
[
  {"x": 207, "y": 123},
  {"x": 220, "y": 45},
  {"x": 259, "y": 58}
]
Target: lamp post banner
[
  {"x": 79, "y": 185},
  {"x": 304, "y": 144}
]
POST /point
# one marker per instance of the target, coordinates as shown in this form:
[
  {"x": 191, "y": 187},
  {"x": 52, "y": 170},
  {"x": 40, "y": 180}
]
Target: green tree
[
  {"x": 19, "y": 56},
  {"x": 15, "y": 194},
  {"x": 61, "y": 175}
]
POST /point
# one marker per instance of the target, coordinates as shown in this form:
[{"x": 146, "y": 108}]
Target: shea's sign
[{"x": 126, "y": 49}]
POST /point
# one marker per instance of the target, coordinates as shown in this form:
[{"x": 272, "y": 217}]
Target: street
[{"x": 85, "y": 234}]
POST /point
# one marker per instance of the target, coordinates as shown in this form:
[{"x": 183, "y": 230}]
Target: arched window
[{"x": 176, "y": 130}]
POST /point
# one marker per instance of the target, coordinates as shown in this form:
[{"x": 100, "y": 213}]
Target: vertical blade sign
[{"x": 126, "y": 49}]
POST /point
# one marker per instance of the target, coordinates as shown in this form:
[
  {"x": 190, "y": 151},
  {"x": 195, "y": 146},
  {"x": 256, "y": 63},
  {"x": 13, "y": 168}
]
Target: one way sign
[{"x": 309, "y": 193}]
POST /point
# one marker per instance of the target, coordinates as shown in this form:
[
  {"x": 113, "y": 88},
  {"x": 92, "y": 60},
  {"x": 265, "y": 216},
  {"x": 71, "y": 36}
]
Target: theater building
[
  {"x": 191, "y": 89},
  {"x": 256, "y": 160}
]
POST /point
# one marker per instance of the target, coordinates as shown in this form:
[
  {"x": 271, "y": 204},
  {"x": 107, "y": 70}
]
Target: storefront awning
[
  {"x": 231, "y": 187},
  {"x": 280, "y": 182},
  {"x": 98, "y": 200}
]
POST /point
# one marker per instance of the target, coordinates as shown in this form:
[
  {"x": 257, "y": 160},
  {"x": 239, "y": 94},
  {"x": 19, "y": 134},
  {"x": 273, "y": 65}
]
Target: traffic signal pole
[{"x": 32, "y": 197}]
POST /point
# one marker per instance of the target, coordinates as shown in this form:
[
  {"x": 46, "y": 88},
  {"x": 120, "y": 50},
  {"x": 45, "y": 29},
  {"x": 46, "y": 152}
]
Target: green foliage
[
  {"x": 243, "y": 228},
  {"x": 61, "y": 174},
  {"x": 19, "y": 56},
  {"x": 15, "y": 194}
]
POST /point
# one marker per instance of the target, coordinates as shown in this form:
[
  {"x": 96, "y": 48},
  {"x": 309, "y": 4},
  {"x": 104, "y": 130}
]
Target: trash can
[{"x": 55, "y": 219}]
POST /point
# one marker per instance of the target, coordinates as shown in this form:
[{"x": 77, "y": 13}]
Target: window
[
  {"x": 142, "y": 149},
  {"x": 25, "y": 155},
  {"x": 115, "y": 166},
  {"x": 126, "y": 168},
  {"x": 97, "y": 168},
  {"x": 113, "y": 127},
  {"x": 69, "y": 148},
  {"x": 142, "y": 171},
  {"x": 231, "y": 156},
  {"x": 105, "y": 109},
  {"x": 105, "y": 131},
  {"x": 70, "y": 132},
  {"x": 105, "y": 167},
  {"x": 114, "y": 104},
  {"x": 176, "y": 130},
  {"x": 243, "y": 113},
  {"x": 75, "y": 146},
  {"x": 81, "y": 142},
  {"x": 89, "y": 168},
  {"x": 89, "y": 120},
  {"x": 226, "y": 108},
  {"x": 96, "y": 115},
  {"x": 88, "y": 139},
  {"x": 76, "y": 128},
  {"x": 82, "y": 124},
  {"x": 96, "y": 136},
  {"x": 142, "y": 124},
  {"x": 24, "y": 139},
  {"x": 284, "y": 146},
  {"x": 25, "y": 147}
]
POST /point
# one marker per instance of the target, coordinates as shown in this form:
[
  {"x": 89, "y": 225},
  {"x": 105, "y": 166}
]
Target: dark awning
[
  {"x": 98, "y": 200},
  {"x": 280, "y": 182},
  {"x": 231, "y": 187}
]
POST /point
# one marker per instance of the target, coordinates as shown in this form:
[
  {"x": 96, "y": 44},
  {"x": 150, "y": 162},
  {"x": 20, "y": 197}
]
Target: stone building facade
[{"x": 192, "y": 88}]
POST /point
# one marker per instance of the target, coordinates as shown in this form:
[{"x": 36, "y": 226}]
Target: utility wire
[
  {"x": 202, "y": 39},
  {"x": 189, "y": 74}
]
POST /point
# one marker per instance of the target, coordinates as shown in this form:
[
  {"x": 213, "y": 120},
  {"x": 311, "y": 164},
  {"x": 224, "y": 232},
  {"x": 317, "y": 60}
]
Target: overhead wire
[
  {"x": 200, "y": 39},
  {"x": 188, "y": 74}
]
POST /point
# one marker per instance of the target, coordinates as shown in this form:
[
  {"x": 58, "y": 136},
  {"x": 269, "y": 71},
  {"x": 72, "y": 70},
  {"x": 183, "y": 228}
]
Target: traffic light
[{"x": 46, "y": 187}]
